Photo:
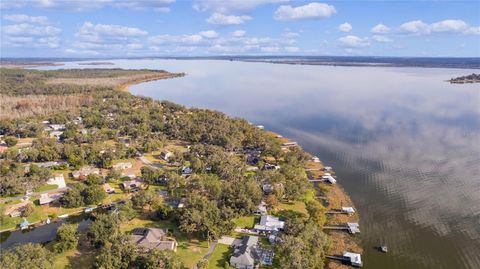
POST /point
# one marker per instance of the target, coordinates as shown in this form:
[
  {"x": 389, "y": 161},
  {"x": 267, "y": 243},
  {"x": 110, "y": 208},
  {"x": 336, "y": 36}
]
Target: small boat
[
  {"x": 48, "y": 221},
  {"x": 383, "y": 249},
  {"x": 64, "y": 216},
  {"x": 25, "y": 224}
]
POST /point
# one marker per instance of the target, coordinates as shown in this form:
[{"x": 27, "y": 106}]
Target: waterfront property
[
  {"x": 47, "y": 198},
  {"x": 153, "y": 238}
]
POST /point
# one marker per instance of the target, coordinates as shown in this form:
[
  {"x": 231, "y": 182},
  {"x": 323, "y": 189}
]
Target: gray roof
[
  {"x": 246, "y": 253},
  {"x": 151, "y": 238}
]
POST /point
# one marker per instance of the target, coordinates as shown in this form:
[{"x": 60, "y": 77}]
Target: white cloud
[
  {"x": 291, "y": 34},
  {"x": 345, "y": 27},
  {"x": 29, "y": 35},
  {"x": 22, "y": 18},
  {"x": 308, "y": 11},
  {"x": 81, "y": 5},
  {"x": 209, "y": 34},
  {"x": 270, "y": 49},
  {"x": 381, "y": 39},
  {"x": 90, "y": 32},
  {"x": 176, "y": 39},
  {"x": 292, "y": 49},
  {"x": 221, "y": 19},
  {"x": 472, "y": 31},
  {"x": 231, "y": 7},
  {"x": 448, "y": 26},
  {"x": 414, "y": 27},
  {"x": 380, "y": 29},
  {"x": 352, "y": 41},
  {"x": 110, "y": 38},
  {"x": 419, "y": 27},
  {"x": 239, "y": 33}
]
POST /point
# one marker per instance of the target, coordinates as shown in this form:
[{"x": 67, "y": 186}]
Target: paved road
[{"x": 33, "y": 194}]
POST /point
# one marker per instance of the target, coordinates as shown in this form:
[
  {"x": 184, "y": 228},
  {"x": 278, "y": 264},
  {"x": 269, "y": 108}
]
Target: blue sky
[{"x": 122, "y": 28}]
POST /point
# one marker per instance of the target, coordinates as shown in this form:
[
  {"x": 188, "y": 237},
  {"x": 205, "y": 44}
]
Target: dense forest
[{"x": 218, "y": 190}]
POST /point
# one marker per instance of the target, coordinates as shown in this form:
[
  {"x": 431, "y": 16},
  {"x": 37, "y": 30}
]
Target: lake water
[{"x": 404, "y": 143}]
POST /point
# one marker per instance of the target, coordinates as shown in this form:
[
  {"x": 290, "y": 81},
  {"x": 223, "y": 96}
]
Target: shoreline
[{"x": 336, "y": 196}]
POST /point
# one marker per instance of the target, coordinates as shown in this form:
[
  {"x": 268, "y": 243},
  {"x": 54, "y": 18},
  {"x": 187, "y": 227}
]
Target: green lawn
[
  {"x": 297, "y": 206},
  {"x": 220, "y": 255},
  {"x": 245, "y": 222},
  {"x": 46, "y": 187}
]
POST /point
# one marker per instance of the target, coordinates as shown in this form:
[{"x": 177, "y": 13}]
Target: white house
[
  {"x": 315, "y": 159},
  {"x": 269, "y": 224},
  {"x": 85, "y": 171},
  {"x": 57, "y": 127},
  {"x": 46, "y": 198}
]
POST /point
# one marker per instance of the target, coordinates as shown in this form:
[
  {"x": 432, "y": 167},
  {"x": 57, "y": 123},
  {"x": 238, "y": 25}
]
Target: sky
[{"x": 138, "y": 28}]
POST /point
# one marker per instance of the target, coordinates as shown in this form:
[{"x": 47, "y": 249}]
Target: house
[
  {"x": 328, "y": 178},
  {"x": 261, "y": 209},
  {"x": 153, "y": 238},
  {"x": 131, "y": 185},
  {"x": 315, "y": 159},
  {"x": 57, "y": 127},
  {"x": 269, "y": 224},
  {"x": 56, "y": 134},
  {"x": 84, "y": 172},
  {"x": 108, "y": 189},
  {"x": 47, "y": 198},
  {"x": 186, "y": 171},
  {"x": 78, "y": 120},
  {"x": 166, "y": 155},
  {"x": 16, "y": 210},
  {"x": 50, "y": 164},
  {"x": 354, "y": 258},
  {"x": 122, "y": 166},
  {"x": 245, "y": 254},
  {"x": 269, "y": 166},
  {"x": 58, "y": 180}
]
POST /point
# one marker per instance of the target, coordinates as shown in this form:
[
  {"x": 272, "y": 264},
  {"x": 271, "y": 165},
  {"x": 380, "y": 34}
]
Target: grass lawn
[
  {"x": 46, "y": 187},
  {"x": 297, "y": 206},
  {"x": 245, "y": 222},
  {"x": 73, "y": 259},
  {"x": 220, "y": 255}
]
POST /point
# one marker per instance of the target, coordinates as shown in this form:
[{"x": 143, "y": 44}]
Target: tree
[
  {"x": 271, "y": 200},
  {"x": 161, "y": 259},
  {"x": 316, "y": 212},
  {"x": 93, "y": 195},
  {"x": 203, "y": 217},
  {"x": 27, "y": 210},
  {"x": 305, "y": 250},
  {"x": 114, "y": 174},
  {"x": 145, "y": 198},
  {"x": 93, "y": 179},
  {"x": 119, "y": 253},
  {"x": 202, "y": 264},
  {"x": 73, "y": 197},
  {"x": 10, "y": 141},
  {"x": 105, "y": 228},
  {"x": 67, "y": 237},
  {"x": 29, "y": 255}
]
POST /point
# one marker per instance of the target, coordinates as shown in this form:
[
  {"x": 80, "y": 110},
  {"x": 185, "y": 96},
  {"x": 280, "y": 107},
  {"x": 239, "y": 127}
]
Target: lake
[{"x": 405, "y": 145}]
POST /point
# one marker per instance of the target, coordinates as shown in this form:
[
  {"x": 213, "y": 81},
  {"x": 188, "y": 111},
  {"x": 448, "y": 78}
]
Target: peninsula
[
  {"x": 473, "y": 78},
  {"x": 159, "y": 183}
]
